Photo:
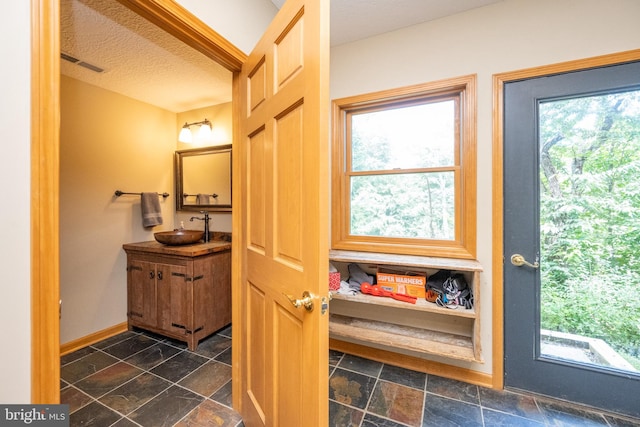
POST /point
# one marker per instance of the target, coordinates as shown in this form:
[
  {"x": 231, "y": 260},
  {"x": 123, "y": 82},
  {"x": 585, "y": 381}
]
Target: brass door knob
[
  {"x": 306, "y": 301},
  {"x": 518, "y": 260}
]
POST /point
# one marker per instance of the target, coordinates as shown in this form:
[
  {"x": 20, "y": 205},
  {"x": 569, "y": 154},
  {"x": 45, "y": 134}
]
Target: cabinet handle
[
  {"x": 159, "y": 275},
  {"x": 151, "y": 275}
]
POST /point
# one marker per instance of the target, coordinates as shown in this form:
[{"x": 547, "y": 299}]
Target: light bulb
[
  {"x": 205, "y": 134},
  {"x": 185, "y": 135}
]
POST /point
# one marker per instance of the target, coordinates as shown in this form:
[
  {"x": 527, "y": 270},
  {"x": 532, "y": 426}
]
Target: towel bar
[
  {"x": 119, "y": 193},
  {"x": 214, "y": 195}
]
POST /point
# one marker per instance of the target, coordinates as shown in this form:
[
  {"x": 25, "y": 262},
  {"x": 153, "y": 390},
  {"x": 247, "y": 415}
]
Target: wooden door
[
  {"x": 141, "y": 298},
  {"x": 283, "y": 150}
]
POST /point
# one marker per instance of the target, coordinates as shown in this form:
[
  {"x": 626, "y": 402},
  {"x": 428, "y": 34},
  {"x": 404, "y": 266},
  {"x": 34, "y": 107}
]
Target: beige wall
[
  {"x": 506, "y": 36},
  {"x": 108, "y": 142},
  {"x": 242, "y": 22},
  {"x": 220, "y": 117},
  {"x": 111, "y": 142}
]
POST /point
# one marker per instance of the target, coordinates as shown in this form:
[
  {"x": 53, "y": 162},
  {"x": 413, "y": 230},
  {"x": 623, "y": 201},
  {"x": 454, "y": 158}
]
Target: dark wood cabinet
[{"x": 182, "y": 292}]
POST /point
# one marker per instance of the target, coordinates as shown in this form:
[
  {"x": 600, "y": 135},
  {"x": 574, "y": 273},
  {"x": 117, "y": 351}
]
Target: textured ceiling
[
  {"x": 145, "y": 63},
  {"x": 139, "y": 60}
]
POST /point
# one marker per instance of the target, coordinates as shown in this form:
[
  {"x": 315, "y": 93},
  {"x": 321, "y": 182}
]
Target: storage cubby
[{"x": 422, "y": 328}]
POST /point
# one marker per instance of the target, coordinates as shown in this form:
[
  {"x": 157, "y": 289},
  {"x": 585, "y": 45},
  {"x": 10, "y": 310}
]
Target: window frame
[{"x": 463, "y": 245}]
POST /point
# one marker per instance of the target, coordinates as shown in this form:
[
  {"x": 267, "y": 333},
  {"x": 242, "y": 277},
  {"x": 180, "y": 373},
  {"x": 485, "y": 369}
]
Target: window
[{"x": 403, "y": 170}]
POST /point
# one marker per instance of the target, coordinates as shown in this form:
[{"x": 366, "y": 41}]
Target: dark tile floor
[{"x": 141, "y": 379}]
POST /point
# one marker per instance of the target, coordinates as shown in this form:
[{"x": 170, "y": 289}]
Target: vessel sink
[{"x": 178, "y": 237}]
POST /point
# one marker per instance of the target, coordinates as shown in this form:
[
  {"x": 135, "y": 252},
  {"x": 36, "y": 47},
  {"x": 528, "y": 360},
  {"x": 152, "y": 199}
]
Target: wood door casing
[
  {"x": 283, "y": 146},
  {"x": 45, "y": 142}
]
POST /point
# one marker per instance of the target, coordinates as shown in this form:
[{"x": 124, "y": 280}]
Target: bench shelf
[{"x": 417, "y": 329}]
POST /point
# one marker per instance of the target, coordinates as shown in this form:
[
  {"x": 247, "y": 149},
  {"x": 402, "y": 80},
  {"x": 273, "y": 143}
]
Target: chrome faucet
[{"x": 206, "y": 224}]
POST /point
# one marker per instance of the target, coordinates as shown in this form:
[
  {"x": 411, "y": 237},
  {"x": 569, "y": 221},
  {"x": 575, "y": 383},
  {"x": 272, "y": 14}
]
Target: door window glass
[{"x": 590, "y": 229}]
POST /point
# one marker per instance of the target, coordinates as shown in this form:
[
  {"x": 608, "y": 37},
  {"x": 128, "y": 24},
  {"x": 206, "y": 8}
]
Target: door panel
[
  {"x": 141, "y": 299},
  {"x": 531, "y": 197},
  {"x": 175, "y": 298},
  {"x": 288, "y": 209},
  {"x": 283, "y": 151},
  {"x": 256, "y": 373},
  {"x": 289, "y": 366},
  {"x": 257, "y": 187}
]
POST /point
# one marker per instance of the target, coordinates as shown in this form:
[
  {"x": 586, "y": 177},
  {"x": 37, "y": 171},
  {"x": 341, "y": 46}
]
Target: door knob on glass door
[{"x": 518, "y": 260}]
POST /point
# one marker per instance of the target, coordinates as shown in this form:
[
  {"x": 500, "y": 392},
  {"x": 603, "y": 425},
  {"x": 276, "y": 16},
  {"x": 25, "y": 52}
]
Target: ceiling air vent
[
  {"x": 69, "y": 58},
  {"x": 76, "y": 61}
]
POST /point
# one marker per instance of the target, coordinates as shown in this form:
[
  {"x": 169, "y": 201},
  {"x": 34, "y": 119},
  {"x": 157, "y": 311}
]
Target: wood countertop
[{"x": 194, "y": 250}]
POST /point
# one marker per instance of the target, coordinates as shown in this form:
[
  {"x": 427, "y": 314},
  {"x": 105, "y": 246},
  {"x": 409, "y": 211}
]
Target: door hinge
[{"x": 183, "y": 275}]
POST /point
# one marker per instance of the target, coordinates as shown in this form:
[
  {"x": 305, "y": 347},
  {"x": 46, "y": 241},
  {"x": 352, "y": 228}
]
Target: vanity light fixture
[{"x": 204, "y": 134}]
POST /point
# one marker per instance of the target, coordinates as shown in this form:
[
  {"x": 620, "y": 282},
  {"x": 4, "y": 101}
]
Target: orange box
[{"x": 402, "y": 284}]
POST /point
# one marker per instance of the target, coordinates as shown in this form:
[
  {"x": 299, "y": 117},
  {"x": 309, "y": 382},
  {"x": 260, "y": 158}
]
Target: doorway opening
[{"x": 45, "y": 139}]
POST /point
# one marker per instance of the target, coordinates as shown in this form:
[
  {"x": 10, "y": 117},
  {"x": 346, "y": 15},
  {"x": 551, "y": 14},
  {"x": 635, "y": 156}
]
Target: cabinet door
[
  {"x": 175, "y": 299},
  {"x": 142, "y": 309}
]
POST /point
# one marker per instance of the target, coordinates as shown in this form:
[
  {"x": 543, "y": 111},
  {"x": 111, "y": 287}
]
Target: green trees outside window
[
  {"x": 419, "y": 141},
  {"x": 590, "y": 218}
]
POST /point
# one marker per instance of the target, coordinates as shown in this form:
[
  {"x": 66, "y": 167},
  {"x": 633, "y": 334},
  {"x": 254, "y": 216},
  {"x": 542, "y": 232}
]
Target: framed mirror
[{"x": 203, "y": 179}]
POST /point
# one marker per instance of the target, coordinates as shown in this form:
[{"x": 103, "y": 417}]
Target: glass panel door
[
  {"x": 572, "y": 236},
  {"x": 590, "y": 230}
]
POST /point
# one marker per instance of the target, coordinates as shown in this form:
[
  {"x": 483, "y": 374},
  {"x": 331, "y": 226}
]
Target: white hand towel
[
  {"x": 150, "y": 207},
  {"x": 202, "y": 199}
]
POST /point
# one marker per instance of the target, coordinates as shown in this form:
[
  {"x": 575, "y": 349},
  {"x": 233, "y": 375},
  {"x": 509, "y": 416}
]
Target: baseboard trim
[
  {"x": 93, "y": 338},
  {"x": 413, "y": 363}
]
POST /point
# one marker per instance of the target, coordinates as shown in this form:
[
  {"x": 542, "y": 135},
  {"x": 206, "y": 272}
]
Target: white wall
[
  {"x": 241, "y": 22},
  {"x": 505, "y": 36},
  {"x": 15, "y": 263}
]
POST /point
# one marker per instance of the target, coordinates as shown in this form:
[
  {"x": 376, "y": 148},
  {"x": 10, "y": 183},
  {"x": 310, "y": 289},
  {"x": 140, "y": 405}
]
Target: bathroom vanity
[{"x": 182, "y": 292}]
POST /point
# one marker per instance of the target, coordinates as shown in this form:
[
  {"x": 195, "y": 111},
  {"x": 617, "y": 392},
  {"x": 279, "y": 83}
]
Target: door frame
[
  {"x": 498, "y": 256},
  {"x": 45, "y": 166}
]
